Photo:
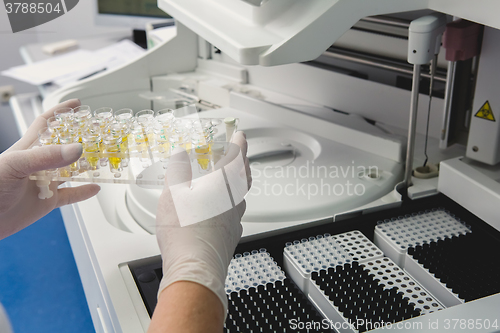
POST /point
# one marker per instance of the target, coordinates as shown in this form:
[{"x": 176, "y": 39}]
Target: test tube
[
  {"x": 183, "y": 129},
  {"x": 183, "y": 124},
  {"x": 121, "y": 130},
  {"x": 113, "y": 151},
  {"x": 145, "y": 118},
  {"x": 66, "y": 138},
  {"x": 55, "y": 126},
  {"x": 230, "y": 127},
  {"x": 140, "y": 148},
  {"x": 82, "y": 115},
  {"x": 139, "y": 135},
  {"x": 104, "y": 116},
  {"x": 174, "y": 140},
  {"x": 165, "y": 117},
  {"x": 91, "y": 148},
  {"x": 64, "y": 115},
  {"x": 161, "y": 139},
  {"x": 185, "y": 139},
  {"x": 124, "y": 116},
  {"x": 82, "y": 110},
  {"x": 46, "y": 137},
  {"x": 202, "y": 149},
  {"x": 95, "y": 126}
]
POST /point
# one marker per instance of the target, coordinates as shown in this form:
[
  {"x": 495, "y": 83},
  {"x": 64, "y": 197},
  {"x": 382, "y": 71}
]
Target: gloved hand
[
  {"x": 198, "y": 222},
  {"x": 19, "y": 202}
]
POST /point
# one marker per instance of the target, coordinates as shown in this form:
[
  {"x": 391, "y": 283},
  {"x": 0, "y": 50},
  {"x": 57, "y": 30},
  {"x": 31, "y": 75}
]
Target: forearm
[{"x": 187, "y": 307}]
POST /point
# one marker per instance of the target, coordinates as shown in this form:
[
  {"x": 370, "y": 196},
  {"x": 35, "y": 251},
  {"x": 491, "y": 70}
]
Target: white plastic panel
[
  {"x": 251, "y": 270},
  {"x": 484, "y": 133},
  {"x": 395, "y": 236},
  {"x": 284, "y": 31},
  {"x": 303, "y": 257}
]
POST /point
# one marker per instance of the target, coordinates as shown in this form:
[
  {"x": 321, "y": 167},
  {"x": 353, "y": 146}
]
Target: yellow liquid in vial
[
  {"x": 64, "y": 173},
  {"x": 188, "y": 147},
  {"x": 203, "y": 162},
  {"x": 125, "y": 142},
  {"x": 162, "y": 141},
  {"x": 74, "y": 166},
  {"x": 93, "y": 161},
  {"x": 140, "y": 139},
  {"x": 114, "y": 162}
]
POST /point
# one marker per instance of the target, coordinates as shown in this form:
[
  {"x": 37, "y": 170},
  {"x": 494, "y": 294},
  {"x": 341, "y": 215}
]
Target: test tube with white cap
[{"x": 230, "y": 127}]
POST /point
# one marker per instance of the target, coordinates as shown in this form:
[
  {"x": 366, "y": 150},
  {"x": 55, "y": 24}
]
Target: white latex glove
[
  {"x": 19, "y": 202},
  {"x": 201, "y": 252}
]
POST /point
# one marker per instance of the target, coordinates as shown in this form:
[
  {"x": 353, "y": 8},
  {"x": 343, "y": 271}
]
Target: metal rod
[
  {"x": 412, "y": 126},
  {"x": 364, "y": 61},
  {"x": 450, "y": 83},
  {"x": 431, "y": 86},
  {"x": 392, "y": 21}
]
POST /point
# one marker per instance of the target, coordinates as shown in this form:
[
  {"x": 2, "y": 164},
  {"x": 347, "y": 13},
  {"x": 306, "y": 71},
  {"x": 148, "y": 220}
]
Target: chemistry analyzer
[{"x": 374, "y": 172}]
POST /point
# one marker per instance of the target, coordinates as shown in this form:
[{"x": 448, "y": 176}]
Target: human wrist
[{"x": 198, "y": 271}]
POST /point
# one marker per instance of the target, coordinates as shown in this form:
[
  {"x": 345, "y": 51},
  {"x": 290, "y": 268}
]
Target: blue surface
[{"x": 39, "y": 283}]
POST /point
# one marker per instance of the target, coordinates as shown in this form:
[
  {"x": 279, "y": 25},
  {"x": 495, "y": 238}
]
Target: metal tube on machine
[
  {"x": 424, "y": 42},
  {"x": 412, "y": 125}
]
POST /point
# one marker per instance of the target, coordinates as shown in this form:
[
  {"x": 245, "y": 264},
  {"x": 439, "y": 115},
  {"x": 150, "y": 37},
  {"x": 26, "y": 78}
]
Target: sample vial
[
  {"x": 82, "y": 112},
  {"x": 185, "y": 140},
  {"x": 161, "y": 140},
  {"x": 124, "y": 116},
  {"x": 113, "y": 151},
  {"x": 165, "y": 117},
  {"x": 104, "y": 116},
  {"x": 174, "y": 140},
  {"x": 82, "y": 115},
  {"x": 145, "y": 117},
  {"x": 55, "y": 125},
  {"x": 121, "y": 130},
  {"x": 182, "y": 130},
  {"x": 91, "y": 148},
  {"x": 46, "y": 137},
  {"x": 66, "y": 138},
  {"x": 64, "y": 115},
  {"x": 230, "y": 127},
  {"x": 202, "y": 150},
  {"x": 139, "y": 135},
  {"x": 96, "y": 125}
]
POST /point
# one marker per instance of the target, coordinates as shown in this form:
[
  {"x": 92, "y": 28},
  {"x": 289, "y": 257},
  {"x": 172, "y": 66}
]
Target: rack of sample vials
[
  {"x": 261, "y": 298},
  {"x": 352, "y": 284},
  {"x": 126, "y": 147}
]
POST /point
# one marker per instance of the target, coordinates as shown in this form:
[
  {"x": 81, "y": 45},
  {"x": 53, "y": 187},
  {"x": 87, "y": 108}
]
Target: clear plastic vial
[
  {"x": 67, "y": 138},
  {"x": 113, "y": 151},
  {"x": 91, "y": 147}
]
